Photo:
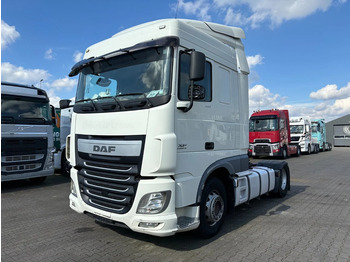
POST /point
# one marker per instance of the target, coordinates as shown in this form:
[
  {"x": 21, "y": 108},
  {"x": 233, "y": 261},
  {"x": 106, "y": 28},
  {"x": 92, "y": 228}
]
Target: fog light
[
  {"x": 154, "y": 203},
  {"x": 72, "y": 188},
  {"x": 148, "y": 224}
]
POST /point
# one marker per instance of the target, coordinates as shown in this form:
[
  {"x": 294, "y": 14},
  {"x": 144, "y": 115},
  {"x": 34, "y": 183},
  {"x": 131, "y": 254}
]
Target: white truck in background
[
  {"x": 301, "y": 133},
  {"x": 159, "y": 134},
  {"x": 61, "y": 131},
  {"x": 26, "y": 133}
]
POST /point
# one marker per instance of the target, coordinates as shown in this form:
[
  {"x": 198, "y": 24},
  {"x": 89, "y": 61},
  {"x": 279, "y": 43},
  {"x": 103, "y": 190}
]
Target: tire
[
  {"x": 323, "y": 147},
  {"x": 298, "y": 153},
  {"x": 284, "y": 153},
  {"x": 65, "y": 165},
  {"x": 213, "y": 207},
  {"x": 329, "y": 147},
  {"x": 309, "y": 150},
  {"x": 283, "y": 183}
]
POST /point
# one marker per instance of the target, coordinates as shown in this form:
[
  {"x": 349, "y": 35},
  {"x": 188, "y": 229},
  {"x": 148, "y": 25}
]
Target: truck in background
[
  {"x": 319, "y": 133},
  {"x": 269, "y": 134},
  {"x": 61, "y": 131},
  {"x": 26, "y": 133},
  {"x": 159, "y": 133},
  {"x": 301, "y": 134}
]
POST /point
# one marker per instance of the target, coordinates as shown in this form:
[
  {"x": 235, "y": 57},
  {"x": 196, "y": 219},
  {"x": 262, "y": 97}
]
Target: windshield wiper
[
  {"x": 113, "y": 97},
  {"x": 137, "y": 103},
  {"x": 88, "y": 100}
]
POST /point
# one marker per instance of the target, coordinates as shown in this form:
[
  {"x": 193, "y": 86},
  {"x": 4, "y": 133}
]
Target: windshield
[
  {"x": 296, "y": 129},
  {"x": 21, "y": 110},
  {"x": 261, "y": 125},
  {"x": 135, "y": 76}
]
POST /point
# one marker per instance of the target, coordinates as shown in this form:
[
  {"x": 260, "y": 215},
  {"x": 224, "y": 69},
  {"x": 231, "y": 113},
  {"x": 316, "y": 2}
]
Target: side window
[
  {"x": 184, "y": 79},
  {"x": 282, "y": 124}
]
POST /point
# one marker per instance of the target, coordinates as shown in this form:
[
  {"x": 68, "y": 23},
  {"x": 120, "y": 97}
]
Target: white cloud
[
  {"x": 49, "y": 54},
  {"x": 12, "y": 73},
  {"x": 199, "y": 8},
  {"x": 18, "y": 74},
  {"x": 77, "y": 56},
  {"x": 274, "y": 12},
  {"x": 261, "y": 98},
  {"x": 64, "y": 83},
  {"x": 8, "y": 35},
  {"x": 254, "y": 60},
  {"x": 253, "y": 12},
  {"x": 331, "y": 92}
]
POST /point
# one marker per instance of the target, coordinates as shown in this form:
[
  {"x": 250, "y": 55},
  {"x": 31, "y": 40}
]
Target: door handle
[{"x": 209, "y": 145}]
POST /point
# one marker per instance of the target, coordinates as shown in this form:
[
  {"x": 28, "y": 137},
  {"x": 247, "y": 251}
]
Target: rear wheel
[
  {"x": 212, "y": 208},
  {"x": 283, "y": 183}
]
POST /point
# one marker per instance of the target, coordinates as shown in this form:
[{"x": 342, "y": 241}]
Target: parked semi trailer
[
  {"x": 159, "y": 133},
  {"x": 269, "y": 134},
  {"x": 26, "y": 133}
]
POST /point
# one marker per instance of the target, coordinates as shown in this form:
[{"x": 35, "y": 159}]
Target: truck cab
[
  {"x": 300, "y": 129},
  {"x": 26, "y": 133},
  {"x": 319, "y": 134},
  {"x": 159, "y": 129},
  {"x": 269, "y": 134}
]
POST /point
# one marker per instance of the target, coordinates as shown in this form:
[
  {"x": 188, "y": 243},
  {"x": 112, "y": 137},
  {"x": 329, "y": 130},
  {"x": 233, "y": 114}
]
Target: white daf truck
[
  {"x": 159, "y": 133},
  {"x": 26, "y": 133},
  {"x": 301, "y": 133}
]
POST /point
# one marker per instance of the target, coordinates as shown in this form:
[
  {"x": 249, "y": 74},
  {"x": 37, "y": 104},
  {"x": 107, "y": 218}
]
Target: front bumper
[{"x": 162, "y": 224}]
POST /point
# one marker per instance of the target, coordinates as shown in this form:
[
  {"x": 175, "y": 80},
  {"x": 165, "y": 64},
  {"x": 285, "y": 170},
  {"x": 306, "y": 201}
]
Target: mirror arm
[{"x": 191, "y": 99}]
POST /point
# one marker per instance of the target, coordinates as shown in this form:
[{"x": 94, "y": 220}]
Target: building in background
[{"x": 338, "y": 131}]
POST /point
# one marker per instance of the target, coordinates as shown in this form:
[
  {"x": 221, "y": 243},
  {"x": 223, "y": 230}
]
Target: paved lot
[{"x": 311, "y": 224}]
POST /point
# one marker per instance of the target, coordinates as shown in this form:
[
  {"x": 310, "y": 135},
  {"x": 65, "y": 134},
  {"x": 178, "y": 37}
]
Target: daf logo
[{"x": 104, "y": 149}]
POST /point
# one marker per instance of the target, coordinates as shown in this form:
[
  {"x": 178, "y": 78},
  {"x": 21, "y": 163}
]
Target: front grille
[
  {"x": 262, "y": 149},
  {"x": 262, "y": 140},
  {"x": 109, "y": 182},
  {"x": 22, "y": 155},
  {"x": 295, "y": 138}
]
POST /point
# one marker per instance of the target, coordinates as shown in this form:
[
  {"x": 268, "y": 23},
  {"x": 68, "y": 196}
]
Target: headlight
[
  {"x": 275, "y": 146},
  {"x": 154, "y": 203},
  {"x": 251, "y": 146},
  {"x": 73, "y": 190}
]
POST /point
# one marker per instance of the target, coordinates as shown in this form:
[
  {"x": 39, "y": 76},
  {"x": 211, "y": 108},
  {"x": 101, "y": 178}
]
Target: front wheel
[
  {"x": 284, "y": 153},
  {"x": 212, "y": 208}
]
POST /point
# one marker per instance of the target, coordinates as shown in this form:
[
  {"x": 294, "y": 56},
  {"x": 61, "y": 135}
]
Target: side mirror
[
  {"x": 53, "y": 114},
  {"x": 197, "y": 68},
  {"x": 64, "y": 103},
  {"x": 198, "y": 92}
]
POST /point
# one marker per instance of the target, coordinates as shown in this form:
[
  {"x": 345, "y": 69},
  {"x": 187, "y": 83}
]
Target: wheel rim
[
  {"x": 214, "y": 208},
  {"x": 283, "y": 179}
]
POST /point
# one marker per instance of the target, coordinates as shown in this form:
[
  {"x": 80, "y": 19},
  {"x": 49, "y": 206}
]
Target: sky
[{"x": 298, "y": 50}]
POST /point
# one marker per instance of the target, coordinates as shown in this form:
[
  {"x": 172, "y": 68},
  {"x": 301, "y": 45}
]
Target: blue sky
[{"x": 298, "y": 50}]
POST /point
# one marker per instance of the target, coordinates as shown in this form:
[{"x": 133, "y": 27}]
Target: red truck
[{"x": 269, "y": 134}]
